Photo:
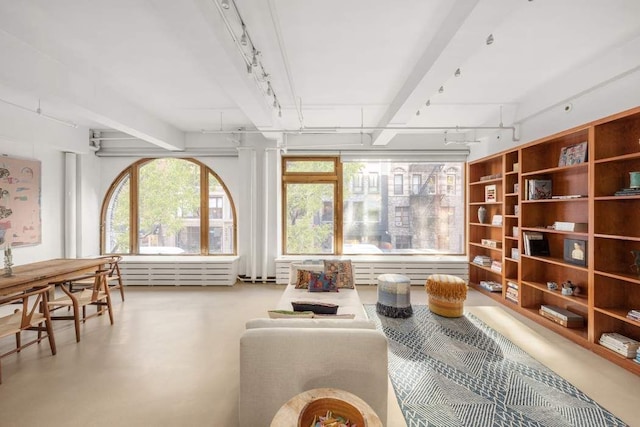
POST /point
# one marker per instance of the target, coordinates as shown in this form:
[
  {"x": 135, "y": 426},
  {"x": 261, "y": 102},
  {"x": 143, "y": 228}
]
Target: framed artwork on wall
[
  {"x": 575, "y": 251},
  {"x": 20, "y": 217}
]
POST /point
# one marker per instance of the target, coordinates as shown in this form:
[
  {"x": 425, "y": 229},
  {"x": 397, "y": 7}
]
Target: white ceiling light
[{"x": 245, "y": 45}]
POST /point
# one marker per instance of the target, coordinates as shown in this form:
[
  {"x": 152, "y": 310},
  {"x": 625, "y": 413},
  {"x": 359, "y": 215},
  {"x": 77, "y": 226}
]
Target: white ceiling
[{"x": 156, "y": 69}]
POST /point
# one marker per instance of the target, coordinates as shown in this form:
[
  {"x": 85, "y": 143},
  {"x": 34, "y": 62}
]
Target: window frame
[{"x": 133, "y": 173}]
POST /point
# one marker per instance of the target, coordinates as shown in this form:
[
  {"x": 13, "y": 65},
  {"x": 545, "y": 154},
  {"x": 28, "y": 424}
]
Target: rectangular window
[
  {"x": 310, "y": 189},
  {"x": 323, "y": 214},
  {"x": 416, "y": 183},
  {"x": 403, "y": 242},
  {"x": 402, "y": 216},
  {"x": 398, "y": 184},
  {"x": 374, "y": 182},
  {"x": 435, "y": 225},
  {"x": 451, "y": 184},
  {"x": 215, "y": 207},
  {"x": 357, "y": 183}
]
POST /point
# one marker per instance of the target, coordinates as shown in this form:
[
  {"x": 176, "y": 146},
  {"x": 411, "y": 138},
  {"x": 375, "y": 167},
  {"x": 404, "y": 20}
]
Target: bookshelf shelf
[{"x": 608, "y": 281}]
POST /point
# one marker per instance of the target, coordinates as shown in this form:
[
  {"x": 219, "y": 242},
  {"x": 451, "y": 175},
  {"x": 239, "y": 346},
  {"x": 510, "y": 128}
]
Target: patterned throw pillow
[
  {"x": 302, "y": 282},
  {"x": 322, "y": 282},
  {"x": 344, "y": 272}
]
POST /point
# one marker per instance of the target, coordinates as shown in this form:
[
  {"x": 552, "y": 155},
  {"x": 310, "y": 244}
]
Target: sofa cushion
[
  {"x": 283, "y": 314},
  {"x": 316, "y": 307},
  {"x": 322, "y": 282},
  {"x": 302, "y": 281},
  {"x": 343, "y": 270}
]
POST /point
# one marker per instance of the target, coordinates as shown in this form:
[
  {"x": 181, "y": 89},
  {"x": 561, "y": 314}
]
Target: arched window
[{"x": 168, "y": 206}]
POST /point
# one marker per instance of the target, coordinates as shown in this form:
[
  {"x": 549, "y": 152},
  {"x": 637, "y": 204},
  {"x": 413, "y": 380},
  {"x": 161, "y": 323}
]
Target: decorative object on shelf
[
  {"x": 636, "y": 261},
  {"x": 575, "y": 251},
  {"x": 490, "y": 177},
  {"x": 516, "y": 167},
  {"x": 570, "y": 226},
  {"x": 552, "y": 286},
  {"x": 573, "y": 154},
  {"x": 496, "y": 244},
  {"x": 538, "y": 189},
  {"x": 496, "y": 220},
  {"x": 516, "y": 187},
  {"x": 634, "y": 180},
  {"x": 482, "y": 214},
  {"x": 490, "y": 193},
  {"x": 567, "y": 288},
  {"x": 515, "y": 253},
  {"x": 8, "y": 262},
  {"x": 516, "y": 210}
]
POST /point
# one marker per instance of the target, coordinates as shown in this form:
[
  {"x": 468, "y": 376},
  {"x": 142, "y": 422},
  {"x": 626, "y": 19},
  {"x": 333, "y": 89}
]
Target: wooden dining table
[{"x": 39, "y": 273}]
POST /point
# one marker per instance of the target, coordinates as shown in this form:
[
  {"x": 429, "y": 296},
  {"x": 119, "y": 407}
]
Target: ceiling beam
[
  {"x": 463, "y": 30},
  {"x": 34, "y": 72}
]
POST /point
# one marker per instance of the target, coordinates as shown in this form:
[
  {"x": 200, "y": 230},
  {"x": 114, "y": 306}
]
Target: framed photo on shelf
[
  {"x": 490, "y": 193},
  {"x": 575, "y": 251},
  {"x": 573, "y": 154}
]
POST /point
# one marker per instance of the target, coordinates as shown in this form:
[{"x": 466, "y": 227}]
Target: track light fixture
[
  {"x": 457, "y": 73},
  {"x": 490, "y": 39},
  {"x": 418, "y": 113},
  {"x": 428, "y": 102},
  {"x": 244, "y": 43},
  {"x": 441, "y": 89}
]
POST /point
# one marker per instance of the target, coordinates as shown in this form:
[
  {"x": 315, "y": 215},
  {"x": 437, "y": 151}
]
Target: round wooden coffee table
[{"x": 287, "y": 415}]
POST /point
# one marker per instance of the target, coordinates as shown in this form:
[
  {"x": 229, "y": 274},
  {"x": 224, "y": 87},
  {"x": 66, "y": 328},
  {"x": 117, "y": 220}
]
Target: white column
[{"x": 70, "y": 204}]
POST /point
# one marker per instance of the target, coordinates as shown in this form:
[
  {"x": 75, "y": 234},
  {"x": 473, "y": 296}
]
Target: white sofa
[{"x": 280, "y": 358}]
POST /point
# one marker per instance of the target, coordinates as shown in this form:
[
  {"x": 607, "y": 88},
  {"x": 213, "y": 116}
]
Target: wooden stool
[{"x": 446, "y": 294}]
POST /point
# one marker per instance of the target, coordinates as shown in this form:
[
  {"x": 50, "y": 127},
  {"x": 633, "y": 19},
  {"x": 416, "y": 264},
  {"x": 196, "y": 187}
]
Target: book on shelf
[
  {"x": 482, "y": 260},
  {"x": 565, "y": 317},
  {"x": 538, "y": 189},
  {"x": 496, "y": 266},
  {"x": 570, "y": 226},
  {"x": 515, "y": 253},
  {"x": 491, "y": 243},
  {"x": 634, "y": 315},
  {"x": 496, "y": 220},
  {"x": 535, "y": 244},
  {"x": 515, "y": 231},
  {"x": 629, "y": 352},
  {"x": 516, "y": 210},
  {"x": 512, "y": 294},
  {"x": 619, "y": 340},
  {"x": 628, "y": 192},
  {"x": 491, "y": 286},
  {"x": 569, "y": 196},
  {"x": 512, "y": 284},
  {"x": 488, "y": 177},
  {"x": 490, "y": 193}
]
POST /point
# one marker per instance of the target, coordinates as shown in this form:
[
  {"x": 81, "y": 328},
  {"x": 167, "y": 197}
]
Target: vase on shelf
[{"x": 482, "y": 214}]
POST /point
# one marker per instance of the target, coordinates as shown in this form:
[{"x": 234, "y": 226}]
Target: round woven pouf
[
  {"x": 394, "y": 296},
  {"x": 446, "y": 294}
]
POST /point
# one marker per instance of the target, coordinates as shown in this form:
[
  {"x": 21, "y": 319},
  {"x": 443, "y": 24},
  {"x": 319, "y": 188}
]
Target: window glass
[
  {"x": 168, "y": 201},
  {"x": 309, "y": 218},
  {"x": 423, "y": 220},
  {"x": 309, "y": 166},
  {"x": 169, "y": 207},
  {"x": 118, "y": 217}
]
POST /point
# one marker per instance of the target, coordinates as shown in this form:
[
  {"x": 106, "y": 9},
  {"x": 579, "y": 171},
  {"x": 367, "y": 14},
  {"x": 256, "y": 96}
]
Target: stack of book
[
  {"x": 491, "y": 286},
  {"x": 620, "y": 344},
  {"x": 496, "y": 266},
  {"x": 628, "y": 192},
  {"x": 563, "y": 317},
  {"x": 535, "y": 244},
  {"x": 482, "y": 260},
  {"x": 512, "y": 291},
  {"x": 634, "y": 315}
]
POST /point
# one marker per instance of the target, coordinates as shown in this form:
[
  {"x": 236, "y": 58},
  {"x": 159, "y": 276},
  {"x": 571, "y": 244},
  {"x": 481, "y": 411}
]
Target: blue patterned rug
[{"x": 460, "y": 372}]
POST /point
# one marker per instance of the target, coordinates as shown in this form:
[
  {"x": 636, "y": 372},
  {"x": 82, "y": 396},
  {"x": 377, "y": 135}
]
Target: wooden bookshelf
[{"x": 609, "y": 285}]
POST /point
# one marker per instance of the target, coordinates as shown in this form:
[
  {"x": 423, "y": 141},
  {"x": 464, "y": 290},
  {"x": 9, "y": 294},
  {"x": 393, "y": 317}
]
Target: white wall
[
  {"x": 24, "y": 134},
  {"x": 617, "y": 96}
]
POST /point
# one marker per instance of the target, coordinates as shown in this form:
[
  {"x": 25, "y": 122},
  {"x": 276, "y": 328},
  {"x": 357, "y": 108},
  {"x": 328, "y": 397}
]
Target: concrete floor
[{"x": 171, "y": 359}]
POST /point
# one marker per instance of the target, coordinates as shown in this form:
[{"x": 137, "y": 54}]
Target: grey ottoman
[{"x": 394, "y": 296}]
